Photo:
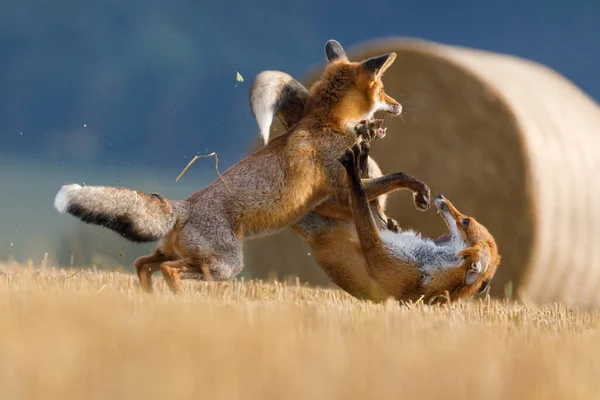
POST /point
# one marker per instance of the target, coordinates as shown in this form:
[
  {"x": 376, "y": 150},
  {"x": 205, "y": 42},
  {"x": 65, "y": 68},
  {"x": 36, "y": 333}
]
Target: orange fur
[
  {"x": 406, "y": 266},
  {"x": 267, "y": 191}
]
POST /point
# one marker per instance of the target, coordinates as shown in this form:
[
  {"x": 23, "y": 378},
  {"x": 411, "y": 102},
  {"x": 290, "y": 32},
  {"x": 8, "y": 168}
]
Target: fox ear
[
  {"x": 334, "y": 51},
  {"x": 479, "y": 268},
  {"x": 473, "y": 274},
  {"x": 376, "y": 66}
]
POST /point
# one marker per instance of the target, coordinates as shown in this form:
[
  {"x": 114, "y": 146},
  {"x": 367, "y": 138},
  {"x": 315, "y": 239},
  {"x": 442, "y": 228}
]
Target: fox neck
[
  {"x": 350, "y": 123},
  {"x": 422, "y": 251},
  {"x": 336, "y": 102},
  {"x": 341, "y": 117}
]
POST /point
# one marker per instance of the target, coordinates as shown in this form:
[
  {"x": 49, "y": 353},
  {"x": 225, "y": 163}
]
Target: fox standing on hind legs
[
  {"x": 332, "y": 240},
  {"x": 406, "y": 265},
  {"x": 267, "y": 191}
]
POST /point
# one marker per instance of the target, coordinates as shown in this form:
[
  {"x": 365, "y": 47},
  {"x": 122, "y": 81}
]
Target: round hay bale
[{"x": 509, "y": 141}]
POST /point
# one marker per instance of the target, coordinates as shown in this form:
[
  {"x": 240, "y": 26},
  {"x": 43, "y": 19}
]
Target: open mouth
[
  {"x": 444, "y": 238},
  {"x": 442, "y": 207}
]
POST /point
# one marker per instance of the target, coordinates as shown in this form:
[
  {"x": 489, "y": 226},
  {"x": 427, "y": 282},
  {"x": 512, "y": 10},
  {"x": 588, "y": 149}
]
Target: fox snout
[
  {"x": 390, "y": 106},
  {"x": 395, "y": 109},
  {"x": 440, "y": 203}
]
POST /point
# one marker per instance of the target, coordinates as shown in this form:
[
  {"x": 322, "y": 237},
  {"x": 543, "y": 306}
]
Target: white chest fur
[{"x": 422, "y": 251}]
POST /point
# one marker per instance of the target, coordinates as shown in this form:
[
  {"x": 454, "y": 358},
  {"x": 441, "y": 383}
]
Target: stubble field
[{"x": 81, "y": 334}]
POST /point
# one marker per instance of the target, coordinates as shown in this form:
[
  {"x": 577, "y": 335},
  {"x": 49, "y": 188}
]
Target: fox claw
[
  {"x": 351, "y": 158},
  {"x": 347, "y": 160},
  {"x": 422, "y": 198},
  {"x": 392, "y": 225},
  {"x": 370, "y": 129}
]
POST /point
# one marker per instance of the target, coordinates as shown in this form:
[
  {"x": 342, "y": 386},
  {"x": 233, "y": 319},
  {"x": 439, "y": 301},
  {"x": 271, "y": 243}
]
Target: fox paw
[
  {"x": 348, "y": 160},
  {"x": 363, "y": 159},
  {"x": 392, "y": 225},
  {"x": 370, "y": 129},
  {"x": 422, "y": 198},
  {"x": 352, "y": 158}
]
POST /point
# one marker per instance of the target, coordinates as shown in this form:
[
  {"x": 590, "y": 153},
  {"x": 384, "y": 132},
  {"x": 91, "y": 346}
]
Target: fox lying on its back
[
  {"x": 406, "y": 265},
  {"x": 265, "y": 192}
]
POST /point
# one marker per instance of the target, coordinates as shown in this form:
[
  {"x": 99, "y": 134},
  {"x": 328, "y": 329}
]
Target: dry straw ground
[{"x": 93, "y": 335}]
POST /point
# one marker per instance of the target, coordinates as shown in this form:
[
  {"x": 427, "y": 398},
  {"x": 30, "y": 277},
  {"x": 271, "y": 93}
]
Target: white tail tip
[
  {"x": 264, "y": 124},
  {"x": 63, "y": 197}
]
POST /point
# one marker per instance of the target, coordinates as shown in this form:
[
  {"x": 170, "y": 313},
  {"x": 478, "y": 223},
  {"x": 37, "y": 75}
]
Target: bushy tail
[
  {"x": 276, "y": 93},
  {"x": 139, "y": 217}
]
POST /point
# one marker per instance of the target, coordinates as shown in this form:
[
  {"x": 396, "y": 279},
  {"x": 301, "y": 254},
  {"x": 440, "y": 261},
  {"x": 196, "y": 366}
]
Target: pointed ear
[
  {"x": 479, "y": 268},
  {"x": 377, "y": 65},
  {"x": 473, "y": 274},
  {"x": 334, "y": 51}
]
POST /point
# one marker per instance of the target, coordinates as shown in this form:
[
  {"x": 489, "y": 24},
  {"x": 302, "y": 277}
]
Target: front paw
[
  {"x": 422, "y": 198},
  {"x": 363, "y": 159},
  {"x": 347, "y": 160},
  {"x": 351, "y": 158},
  {"x": 370, "y": 129},
  {"x": 392, "y": 225}
]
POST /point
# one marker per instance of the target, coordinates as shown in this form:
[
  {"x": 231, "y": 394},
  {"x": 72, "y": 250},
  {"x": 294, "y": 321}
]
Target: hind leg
[
  {"x": 208, "y": 247},
  {"x": 146, "y": 265},
  {"x": 171, "y": 272},
  {"x": 206, "y": 270},
  {"x": 175, "y": 271}
]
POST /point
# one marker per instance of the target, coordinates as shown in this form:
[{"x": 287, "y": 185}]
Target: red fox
[
  {"x": 333, "y": 241},
  {"x": 267, "y": 191},
  {"x": 406, "y": 265}
]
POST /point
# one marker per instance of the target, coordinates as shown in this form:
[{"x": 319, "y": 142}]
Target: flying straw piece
[
  {"x": 238, "y": 78},
  {"x": 213, "y": 154}
]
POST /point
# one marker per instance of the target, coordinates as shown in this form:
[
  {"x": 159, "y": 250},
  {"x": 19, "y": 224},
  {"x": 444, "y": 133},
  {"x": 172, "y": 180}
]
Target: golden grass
[{"x": 95, "y": 336}]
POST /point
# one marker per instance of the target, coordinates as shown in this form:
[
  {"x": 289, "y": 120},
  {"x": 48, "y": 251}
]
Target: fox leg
[
  {"x": 339, "y": 208},
  {"x": 171, "y": 271},
  {"x": 207, "y": 247},
  {"x": 332, "y": 208},
  {"x": 377, "y": 205},
  {"x": 381, "y": 263},
  {"x": 363, "y": 165},
  {"x": 201, "y": 267},
  {"x": 368, "y": 234},
  {"x": 375, "y": 187},
  {"x": 146, "y": 265}
]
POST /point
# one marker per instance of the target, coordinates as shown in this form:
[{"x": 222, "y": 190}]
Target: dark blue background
[{"x": 154, "y": 81}]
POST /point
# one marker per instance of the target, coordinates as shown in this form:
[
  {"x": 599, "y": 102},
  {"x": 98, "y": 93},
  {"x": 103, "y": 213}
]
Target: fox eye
[{"x": 465, "y": 221}]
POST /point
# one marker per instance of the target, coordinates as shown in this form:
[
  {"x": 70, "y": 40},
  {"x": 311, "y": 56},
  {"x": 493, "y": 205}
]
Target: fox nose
[
  {"x": 440, "y": 197},
  {"x": 397, "y": 109}
]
